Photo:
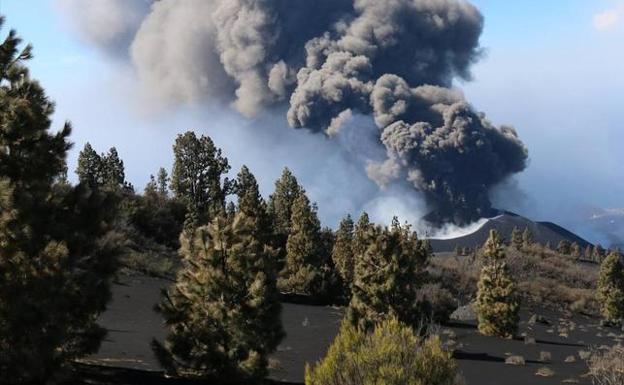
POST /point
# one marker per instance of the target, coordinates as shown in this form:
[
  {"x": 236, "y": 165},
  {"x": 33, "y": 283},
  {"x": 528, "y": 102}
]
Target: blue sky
[{"x": 553, "y": 69}]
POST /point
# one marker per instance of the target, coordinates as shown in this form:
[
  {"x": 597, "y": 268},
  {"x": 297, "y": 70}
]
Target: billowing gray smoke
[{"x": 325, "y": 60}]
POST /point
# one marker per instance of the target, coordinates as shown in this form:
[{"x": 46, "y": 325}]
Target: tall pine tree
[
  {"x": 89, "y": 168},
  {"x": 113, "y": 170},
  {"x": 223, "y": 312},
  {"x": 497, "y": 304},
  {"x": 279, "y": 208},
  {"x": 252, "y": 204},
  {"x": 303, "y": 270},
  {"x": 342, "y": 253},
  {"x": 387, "y": 277},
  {"x": 163, "y": 182},
  {"x": 362, "y": 234},
  {"x": 197, "y": 177},
  {"x": 57, "y": 254},
  {"x": 101, "y": 171},
  {"x": 611, "y": 288}
]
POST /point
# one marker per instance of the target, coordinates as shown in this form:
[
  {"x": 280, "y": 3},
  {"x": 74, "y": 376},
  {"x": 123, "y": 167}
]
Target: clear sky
[{"x": 553, "y": 69}]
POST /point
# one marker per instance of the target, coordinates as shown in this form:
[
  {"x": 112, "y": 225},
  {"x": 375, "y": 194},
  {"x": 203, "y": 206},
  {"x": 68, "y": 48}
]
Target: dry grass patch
[
  {"x": 606, "y": 366},
  {"x": 543, "y": 276}
]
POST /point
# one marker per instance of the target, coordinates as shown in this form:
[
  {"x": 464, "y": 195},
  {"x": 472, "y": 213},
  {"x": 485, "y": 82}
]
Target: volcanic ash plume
[{"x": 328, "y": 60}]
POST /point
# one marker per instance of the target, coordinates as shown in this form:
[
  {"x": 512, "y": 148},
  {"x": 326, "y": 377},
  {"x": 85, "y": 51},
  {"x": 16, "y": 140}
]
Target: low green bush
[{"x": 391, "y": 354}]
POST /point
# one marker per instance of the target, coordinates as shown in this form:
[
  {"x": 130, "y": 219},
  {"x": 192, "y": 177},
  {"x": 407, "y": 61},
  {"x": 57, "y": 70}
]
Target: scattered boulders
[
  {"x": 538, "y": 319},
  {"x": 584, "y": 354},
  {"x": 545, "y": 357},
  {"x": 464, "y": 313},
  {"x": 515, "y": 360},
  {"x": 545, "y": 372}
]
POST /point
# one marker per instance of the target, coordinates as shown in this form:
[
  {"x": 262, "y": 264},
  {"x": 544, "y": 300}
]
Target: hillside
[{"x": 543, "y": 232}]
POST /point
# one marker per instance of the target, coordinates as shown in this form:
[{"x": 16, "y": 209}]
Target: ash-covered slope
[{"x": 543, "y": 232}]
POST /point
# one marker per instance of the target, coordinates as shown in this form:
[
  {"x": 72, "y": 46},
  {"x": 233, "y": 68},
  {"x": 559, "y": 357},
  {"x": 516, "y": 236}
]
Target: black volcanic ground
[{"x": 132, "y": 324}]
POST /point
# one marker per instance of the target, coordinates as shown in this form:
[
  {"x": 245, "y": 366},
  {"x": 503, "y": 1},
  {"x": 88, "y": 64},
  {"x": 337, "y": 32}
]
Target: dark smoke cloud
[{"x": 328, "y": 60}]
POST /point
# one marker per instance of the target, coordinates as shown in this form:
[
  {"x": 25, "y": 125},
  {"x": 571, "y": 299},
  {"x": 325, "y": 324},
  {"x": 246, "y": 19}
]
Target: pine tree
[
  {"x": 303, "y": 271},
  {"x": 251, "y": 202},
  {"x": 287, "y": 190},
  {"x": 517, "y": 239},
  {"x": 163, "y": 182},
  {"x": 113, "y": 171},
  {"x": 333, "y": 288},
  {"x": 89, "y": 168},
  {"x": 362, "y": 234},
  {"x": 387, "y": 277},
  {"x": 611, "y": 288},
  {"x": 57, "y": 254},
  {"x": 101, "y": 171},
  {"x": 151, "y": 188},
  {"x": 342, "y": 253},
  {"x": 223, "y": 312},
  {"x": 279, "y": 208},
  {"x": 230, "y": 210},
  {"x": 197, "y": 177},
  {"x": 497, "y": 304},
  {"x": 527, "y": 238}
]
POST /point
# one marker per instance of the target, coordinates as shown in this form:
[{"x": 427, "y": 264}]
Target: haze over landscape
[
  {"x": 554, "y": 79},
  {"x": 311, "y": 192}
]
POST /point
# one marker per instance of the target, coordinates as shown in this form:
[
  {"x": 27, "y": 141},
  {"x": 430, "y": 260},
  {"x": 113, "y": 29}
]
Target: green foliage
[
  {"x": 287, "y": 190},
  {"x": 113, "y": 170},
  {"x": 57, "y": 250},
  {"x": 101, "y": 171},
  {"x": 387, "y": 276},
  {"x": 392, "y": 354},
  {"x": 304, "y": 270},
  {"x": 517, "y": 239},
  {"x": 497, "y": 304},
  {"x": 249, "y": 199},
  {"x": 197, "y": 176},
  {"x": 362, "y": 234},
  {"x": 89, "y": 167},
  {"x": 342, "y": 253},
  {"x": 223, "y": 312},
  {"x": 163, "y": 182},
  {"x": 154, "y": 216},
  {"x": 437, "y": 303},
  {"x": 610, "y": 291},
  {"x": 279, "y": 208}
]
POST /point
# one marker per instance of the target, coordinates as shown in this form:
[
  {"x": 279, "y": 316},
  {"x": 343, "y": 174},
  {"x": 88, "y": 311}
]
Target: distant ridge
[{"x": 543, "y": 232}]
